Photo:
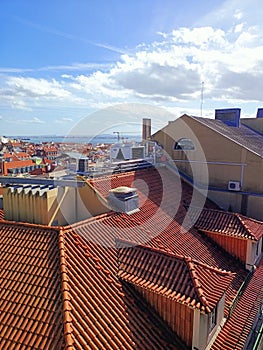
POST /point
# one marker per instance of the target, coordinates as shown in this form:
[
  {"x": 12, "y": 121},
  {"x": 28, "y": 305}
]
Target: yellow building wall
[
  {"x": 7, "y": 203},
  {"x": 255, "y": 207},
  {"x": 58, "y": 206},
  {"x": 90, "y": 202},
  {"x": 204, "y": 164}
]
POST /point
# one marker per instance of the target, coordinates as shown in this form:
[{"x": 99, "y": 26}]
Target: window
[
  {"x": 257, "y": 248},
  {"x": 212, "y": 319},
  {"x": 184, "y": 144}
]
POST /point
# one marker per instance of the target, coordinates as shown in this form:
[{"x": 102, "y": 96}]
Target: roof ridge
[
  {"x": 241, "y": 220},
  {"x": 237, "y": 216},
  {"x": 212, "y": 268},
  {"x": 202, "y": 119},
  {"x": 196, "y": 283},
  {"x": 169, "y": 253},
  {"x": 89, "y": 220},
  {"x": 212, "y": 209},
  {"x": 189, "y": 263},
  {"x": 250, "y": 219},
  {"x": 67, "y": 320},
  {"x": 131, "y": 244},
  {"x": 30, "y": 225}
]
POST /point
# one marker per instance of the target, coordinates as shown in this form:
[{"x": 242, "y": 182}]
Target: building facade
[{"x": 225, "y": 159}]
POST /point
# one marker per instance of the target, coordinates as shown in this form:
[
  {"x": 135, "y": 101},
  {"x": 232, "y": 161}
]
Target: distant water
[{"x": 99, "y": 139}]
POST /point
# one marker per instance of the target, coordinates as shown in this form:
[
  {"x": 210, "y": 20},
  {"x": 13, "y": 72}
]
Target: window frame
[
  {"x": 189, "y": 147},
  {"x": 212, "y": 319}
]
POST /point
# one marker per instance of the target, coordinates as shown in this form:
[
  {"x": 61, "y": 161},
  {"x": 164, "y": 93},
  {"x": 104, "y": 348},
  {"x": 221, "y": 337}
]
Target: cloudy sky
[{"x": 63, "y": 61}]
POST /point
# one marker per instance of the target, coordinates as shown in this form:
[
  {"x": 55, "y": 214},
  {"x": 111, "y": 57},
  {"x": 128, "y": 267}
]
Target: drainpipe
[
  {"x": 259, "y": 339},
  {"x": 242, "y": 174}
]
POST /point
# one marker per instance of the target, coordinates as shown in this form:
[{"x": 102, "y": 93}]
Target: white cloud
[
  {"x": 27, "y": 93},
  {"x": 238, "y": 28},
  {"x": 224, "y": 51},
  {"x": 64, "y": 120},
  {"x": 76, "y": 67},
  {"x": 36, "y": 88},
  {"x": 238, "y": 15},
  {"x": 34, "y": 120}
]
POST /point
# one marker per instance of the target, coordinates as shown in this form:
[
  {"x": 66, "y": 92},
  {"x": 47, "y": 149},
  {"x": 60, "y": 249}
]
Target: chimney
[
  {"x": 124, "y": 199},
  {"x": 229, "y": 116},
  {"x": 260, "y": 113},
  {"x": 146, "y": 129}
]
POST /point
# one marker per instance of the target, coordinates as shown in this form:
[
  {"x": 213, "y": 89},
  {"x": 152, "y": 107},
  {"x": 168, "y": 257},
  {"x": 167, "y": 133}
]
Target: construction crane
[{"x": 124, "y": 132}]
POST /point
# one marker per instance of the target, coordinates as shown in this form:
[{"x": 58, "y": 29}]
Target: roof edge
[
  {"x": 199, "y": 120},
  {"x": 241, "y": 219},
  {"x": 67, "y": 320},
  {"x": 250, "y": 232},
  {"x": 30, "y": 225},
  {"x": 188, "y": 261},
  {"x": 197, "y": 284}
]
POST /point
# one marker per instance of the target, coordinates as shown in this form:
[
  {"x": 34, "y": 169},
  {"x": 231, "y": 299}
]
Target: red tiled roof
[
  {"x": 176, "y": 277},
  {"x": 30, "y": 297},
  {"x": 91, "y": 308},
  {"x": 22, "y": 154},
  {"x": 103, "y": 313},
  {"x": 227, "y": 223},
  {"x": 50, "y": 149},
  {"x": 16, "y": 155},
  {"x": 8, "y": 155},
  {"x": 18, "y": 164},
  {"x": 59, "y": 291},
  {"x": 237, "y": 328},
  {"x": 2, "y": 214},
  {"x": 162, "y": 222}
]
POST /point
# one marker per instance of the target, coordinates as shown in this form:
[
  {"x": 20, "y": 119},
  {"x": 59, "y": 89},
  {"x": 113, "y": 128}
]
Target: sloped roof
[
  {"x": 226, "y": 223},
  {"x": 176, "y": 277},
  {"x": 104, "y": 313},
  {"x": 91, "y": 308},
  {"x": 59, "y": 291},
  {"x": 16, "y": 155},
  {"x": 237, "y": 328},
  {"x": 161, "y": 217},
  {"x": 30, "y": 293},
  {"x": 242, "y": 135}
]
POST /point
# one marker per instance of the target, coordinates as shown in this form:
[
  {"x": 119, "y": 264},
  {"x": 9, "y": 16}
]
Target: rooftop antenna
[{"x": 202, "y": 97}]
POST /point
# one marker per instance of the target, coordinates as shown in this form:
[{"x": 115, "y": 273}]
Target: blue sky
[{"x": 110, "y": 63}]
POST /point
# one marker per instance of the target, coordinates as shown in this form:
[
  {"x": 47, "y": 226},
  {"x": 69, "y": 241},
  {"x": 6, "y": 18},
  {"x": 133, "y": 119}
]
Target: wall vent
[{"x": 234, "y": 186}]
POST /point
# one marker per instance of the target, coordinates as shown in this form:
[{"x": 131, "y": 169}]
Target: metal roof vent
[
  {"x": 260, "y": 113},
  {"x": 124, "y": 199},
  {"x": 229, "y": 116}
]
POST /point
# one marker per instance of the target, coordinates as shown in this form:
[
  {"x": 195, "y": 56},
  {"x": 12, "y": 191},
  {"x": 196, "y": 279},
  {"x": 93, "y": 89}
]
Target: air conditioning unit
[{"x": 234, "y": 186}]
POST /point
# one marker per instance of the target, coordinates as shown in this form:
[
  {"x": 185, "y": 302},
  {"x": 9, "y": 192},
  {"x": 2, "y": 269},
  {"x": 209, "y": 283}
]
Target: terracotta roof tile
[
  {"x": 159, "y": 221},
  {"x": 61, "y": 289},
  {"x": 226, "y": 223},
  {"x": 238, "y": 327},
  {"x": 174, "y": 276},
  {"x": 100, "y": 309},
  {"x": 30, "y": 288}
]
